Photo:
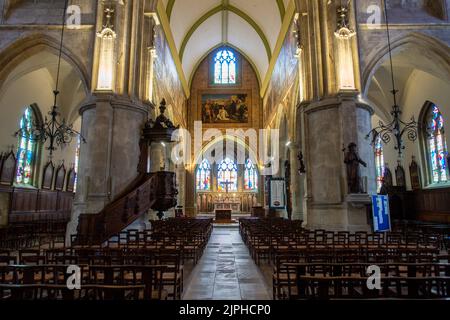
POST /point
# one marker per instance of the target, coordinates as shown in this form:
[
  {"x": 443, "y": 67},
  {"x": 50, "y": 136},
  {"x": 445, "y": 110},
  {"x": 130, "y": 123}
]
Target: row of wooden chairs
[
  {"x": 265, "y": 239},
  {"x": 409, "y": 226},
  {"x": 33, "y": 234},
  {"x": 170, "y": 245},
  {"x": 19, "y": 282},
  {"x": 339, "y": 288},
  {"x": 302, "y": 259},
  {"x": 173, "y": 276},
  {"x": 287, "y": 277}
]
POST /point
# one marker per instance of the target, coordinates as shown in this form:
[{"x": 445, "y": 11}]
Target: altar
[
  {"x": 232, "y": 204},
  {"x": 239, "y": 202}
]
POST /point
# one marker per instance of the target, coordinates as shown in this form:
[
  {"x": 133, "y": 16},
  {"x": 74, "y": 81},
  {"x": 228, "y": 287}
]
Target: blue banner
[{"x": 381, "y": 214}]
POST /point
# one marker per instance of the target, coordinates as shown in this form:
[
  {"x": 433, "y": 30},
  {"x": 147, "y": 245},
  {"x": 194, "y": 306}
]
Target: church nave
[{"x": 226, "y": 271}]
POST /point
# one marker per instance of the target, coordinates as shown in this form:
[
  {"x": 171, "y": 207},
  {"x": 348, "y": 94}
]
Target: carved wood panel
[
  {"x": 8, "y": 169},
  {"x": 33, "y": 204},
  {"x": 71, "y": 177},
  {"x": 60, "y": 177},
  {"x": 400, "y": 176},
  {"x": 47, "y": 179}
]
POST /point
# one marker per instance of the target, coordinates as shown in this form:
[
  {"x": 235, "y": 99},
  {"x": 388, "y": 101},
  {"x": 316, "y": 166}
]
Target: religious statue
[
  {"x": 352, "y": 160},
  {"x": 302, "y": 168}
]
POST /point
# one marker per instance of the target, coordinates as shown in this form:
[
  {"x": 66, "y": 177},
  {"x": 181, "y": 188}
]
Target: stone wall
[
  {"x": 202, "y": 84},
  {"x": 429, "y": 18},
  {"x": 167, "y": 84},
  {"x": 282, "y": 89}
]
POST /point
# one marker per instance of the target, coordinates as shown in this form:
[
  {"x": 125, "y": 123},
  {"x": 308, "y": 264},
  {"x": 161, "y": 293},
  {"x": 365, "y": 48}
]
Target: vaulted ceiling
[{"x": 251, "y": 26}]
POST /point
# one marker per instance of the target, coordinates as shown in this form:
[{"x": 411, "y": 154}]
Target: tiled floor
[{"x": 226, "y": 271}]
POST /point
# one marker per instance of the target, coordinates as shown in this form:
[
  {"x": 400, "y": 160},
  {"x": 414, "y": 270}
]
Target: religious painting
[
  {"x": 414, "y": 172},
  {"x": 388, "y": 177},
  {"x": 400, "y": 176},
  {"x": 228, "y": 108}
]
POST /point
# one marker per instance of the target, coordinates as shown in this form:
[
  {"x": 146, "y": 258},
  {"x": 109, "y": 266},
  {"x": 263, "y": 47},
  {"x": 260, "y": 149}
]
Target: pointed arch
[
  {"x": 203, "y": 176},
  {"x": 169, "y": 8},
  {"x": 236, "y": 11},
  {"x": 431, "y": 45},
  {"x": 252, "y": 153},
  {"x": 227, "y": 175},
  {"x": 28, "y": 149},
  {"x": 281, "y": 8},
  {"x": 250, "y": 176},
  {"x": 243, "y": 54},
  {"x": 23, "y": 48},
  {"x": 434, "y": 143}
]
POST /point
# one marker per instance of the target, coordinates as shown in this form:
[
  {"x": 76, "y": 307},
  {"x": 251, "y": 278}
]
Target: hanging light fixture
[
  {"x": 54, "y": 130},
  {"x": 397, "y": 128}
]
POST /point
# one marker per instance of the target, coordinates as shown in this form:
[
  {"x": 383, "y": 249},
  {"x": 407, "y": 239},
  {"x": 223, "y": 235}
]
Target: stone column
[
  {"x": 332, "y": 116},
  {"x": 296, "y": 185},
  {"x": 181, "y": 181},
  {"x": 190, "y": 200},
  {"x": 332, "y": 124},
  {"x": 111, "y": 126}
]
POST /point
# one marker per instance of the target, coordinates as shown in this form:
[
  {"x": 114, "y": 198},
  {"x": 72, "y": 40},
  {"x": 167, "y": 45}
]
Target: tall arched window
[
  {"x": 26, "y": 151},
  {"x": 436, "y": 144},
  {"x": 225, "y": 67},
  {"x": 379, "y": 162},
  {"x": 227, "y": 174},
  {"x": 250, "y": 176},
  {"x": 204, "y": 176}
]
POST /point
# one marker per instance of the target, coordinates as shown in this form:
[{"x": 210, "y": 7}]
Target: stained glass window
[
  {"x": 379, "y": 163},
  {"x": 225, "y": 70},
  {"x": 437, "y": 145},
  {"x": 250, "y": 176},
  {"x": 204, "y": 176},
  {"x": 26, "y": 150},
  {"x": 227, "y": 176}
]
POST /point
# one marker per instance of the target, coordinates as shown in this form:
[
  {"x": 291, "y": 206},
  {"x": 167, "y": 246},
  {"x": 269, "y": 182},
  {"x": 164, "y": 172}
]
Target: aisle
[{"x": 226, "y": 271}]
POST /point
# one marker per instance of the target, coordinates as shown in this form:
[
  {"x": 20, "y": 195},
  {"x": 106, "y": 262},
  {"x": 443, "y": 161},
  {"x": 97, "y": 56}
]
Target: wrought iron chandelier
[
  {"x": 397, "y": 128},
  {"x": 54, "y": 130}
]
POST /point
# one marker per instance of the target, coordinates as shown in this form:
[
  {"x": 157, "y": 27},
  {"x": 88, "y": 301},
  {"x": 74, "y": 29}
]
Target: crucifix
[{"x": 226, "y": 185}]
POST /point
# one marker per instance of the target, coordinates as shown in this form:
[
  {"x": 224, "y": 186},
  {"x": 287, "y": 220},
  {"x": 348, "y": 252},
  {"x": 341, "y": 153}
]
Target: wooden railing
[{"x": 141, "y": 196}]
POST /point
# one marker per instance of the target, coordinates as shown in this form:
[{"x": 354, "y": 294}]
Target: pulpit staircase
[
  {"x": 150, "y": 191},
  {"x": 155, "y": 191}
]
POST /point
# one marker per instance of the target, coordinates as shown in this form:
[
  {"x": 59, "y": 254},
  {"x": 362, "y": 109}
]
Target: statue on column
[{"x": 353, "y": 161}]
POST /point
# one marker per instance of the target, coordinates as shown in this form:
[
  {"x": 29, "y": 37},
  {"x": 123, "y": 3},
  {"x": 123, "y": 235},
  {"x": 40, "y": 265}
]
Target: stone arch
[
  {"x": 216, "y": 47},
  {"x": 437, "y": 49},
  {"x": 253, "y": 154},
  {"x": 26, "y": 47}
]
